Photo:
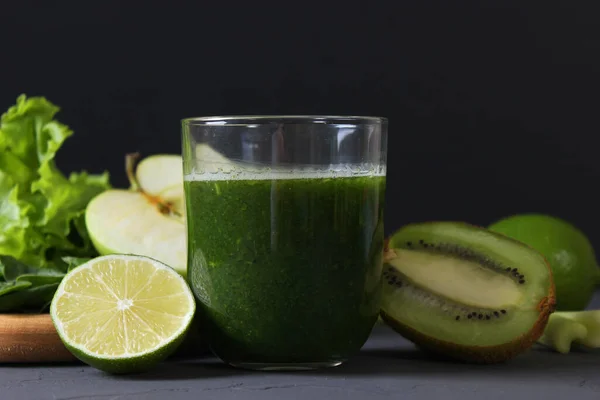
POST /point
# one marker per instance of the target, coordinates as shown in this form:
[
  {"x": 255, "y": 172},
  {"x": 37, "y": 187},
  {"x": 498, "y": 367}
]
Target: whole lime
[{"x": 567, "y": 249}]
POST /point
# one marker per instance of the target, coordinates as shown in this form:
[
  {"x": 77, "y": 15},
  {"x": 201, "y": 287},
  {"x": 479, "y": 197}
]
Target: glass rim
[{"x": 283, "y": 118}]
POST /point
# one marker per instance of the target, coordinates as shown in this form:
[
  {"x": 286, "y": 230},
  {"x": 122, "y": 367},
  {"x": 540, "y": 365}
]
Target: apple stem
[
  {"x": 164, "y": 207},
  {"x": 130, "y": 162}
]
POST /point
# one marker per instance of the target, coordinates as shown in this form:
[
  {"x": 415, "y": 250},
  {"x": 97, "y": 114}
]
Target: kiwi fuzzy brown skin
[{"x": 478, "y": 354}]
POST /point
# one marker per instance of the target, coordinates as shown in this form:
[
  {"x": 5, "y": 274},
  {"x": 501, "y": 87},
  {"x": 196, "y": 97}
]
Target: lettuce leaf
[{"x": 41, "y": 210}]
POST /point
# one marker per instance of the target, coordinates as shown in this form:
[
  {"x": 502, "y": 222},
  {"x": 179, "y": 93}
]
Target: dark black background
[{"x": 493, "y": 105}]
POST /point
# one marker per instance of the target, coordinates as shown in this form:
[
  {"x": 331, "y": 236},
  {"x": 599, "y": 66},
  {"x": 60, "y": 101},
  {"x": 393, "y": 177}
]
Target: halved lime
[{"x": 122, "y": 313}]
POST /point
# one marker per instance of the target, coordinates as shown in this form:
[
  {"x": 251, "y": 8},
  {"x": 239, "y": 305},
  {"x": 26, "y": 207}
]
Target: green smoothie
[{"x": 286, "y": 269}]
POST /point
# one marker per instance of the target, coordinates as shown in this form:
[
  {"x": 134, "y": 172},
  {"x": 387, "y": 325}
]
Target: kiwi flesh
[{"x": 464, "y": 292}]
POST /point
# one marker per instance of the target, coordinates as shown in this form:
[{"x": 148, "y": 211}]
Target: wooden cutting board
[{"x": 30, "y": 338}]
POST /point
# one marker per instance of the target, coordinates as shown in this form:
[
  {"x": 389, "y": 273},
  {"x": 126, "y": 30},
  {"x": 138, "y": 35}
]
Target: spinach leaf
[{"x": 24, "y": 288}]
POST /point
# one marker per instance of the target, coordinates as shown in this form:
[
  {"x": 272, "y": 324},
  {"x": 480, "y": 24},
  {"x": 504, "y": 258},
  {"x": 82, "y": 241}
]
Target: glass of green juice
[{"x": 285, "y": 235}]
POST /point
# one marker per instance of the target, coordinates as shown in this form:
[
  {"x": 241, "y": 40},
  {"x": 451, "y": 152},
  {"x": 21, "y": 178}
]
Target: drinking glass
[{"x": 285, "y": 235}]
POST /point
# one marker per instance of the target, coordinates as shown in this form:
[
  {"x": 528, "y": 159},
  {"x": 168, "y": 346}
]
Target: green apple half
[{"x": 149, "y": 218}]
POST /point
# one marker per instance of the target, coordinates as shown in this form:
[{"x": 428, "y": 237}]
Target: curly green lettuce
[{"x": 41, "y": 210}]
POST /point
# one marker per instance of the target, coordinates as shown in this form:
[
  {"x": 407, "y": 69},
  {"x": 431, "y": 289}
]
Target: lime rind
[
  {"x": 568, "y": 250},
  {"x": 127, "y": 362}
]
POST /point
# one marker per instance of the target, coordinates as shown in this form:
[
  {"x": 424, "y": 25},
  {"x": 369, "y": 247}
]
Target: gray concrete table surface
[{"x": 387, "y": 367}]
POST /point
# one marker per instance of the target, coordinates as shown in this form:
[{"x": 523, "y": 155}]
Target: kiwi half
[{"x": 465, "y": 292}]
